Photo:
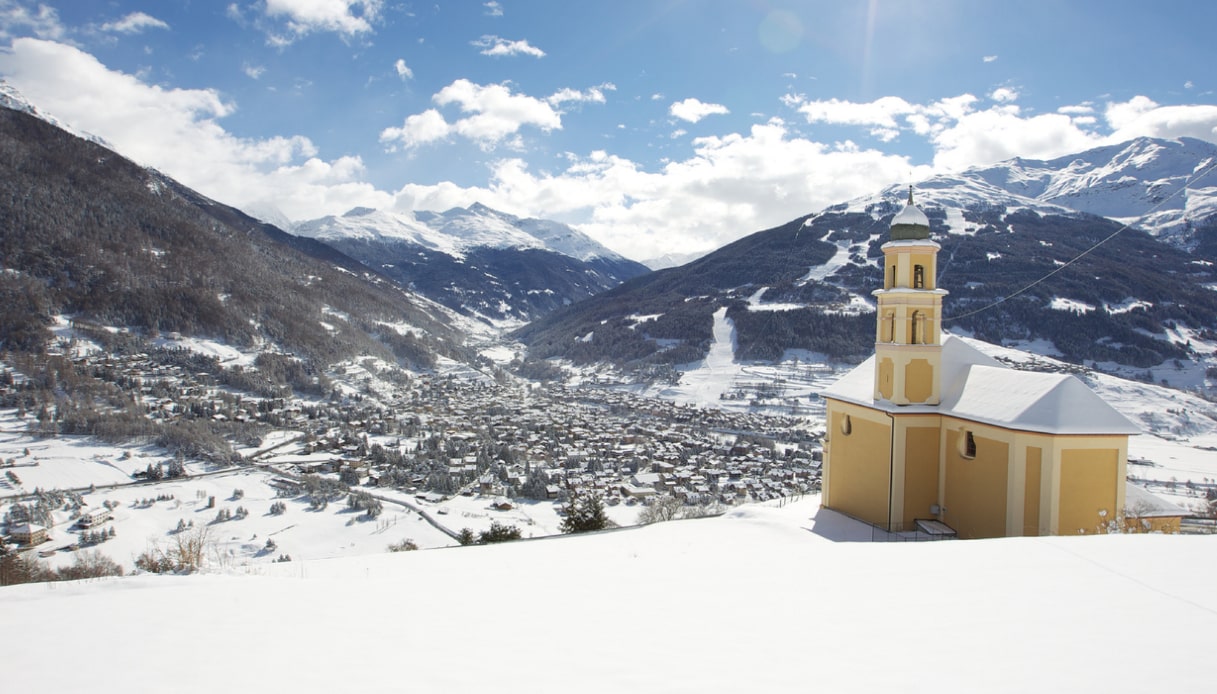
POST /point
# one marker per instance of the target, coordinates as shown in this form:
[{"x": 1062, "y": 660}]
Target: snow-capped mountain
[
  {"x": 12, "y": 99},
  {"x": 1167, "y": 188},
  {"x": 1105, "y": 258},
  {"x": 477, "y": 260}
]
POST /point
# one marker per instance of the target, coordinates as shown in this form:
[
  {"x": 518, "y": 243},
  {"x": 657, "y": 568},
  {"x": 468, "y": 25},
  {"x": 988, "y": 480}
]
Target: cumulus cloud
[
  {"x": 403, "y": 71},
  {"x": 253, "y": 71},
  {"x": 492, "y": 114},
  {"x": 731, "y": 185},
  {"x": 301, "y": 17},
  {"x": 493, "y": 9},
  {"x": 693, "y": 110},
  {"x": 1003, "y": 95},
  {"x": 500, "y": 47},
  {"x": 178, "y": 131},
  {"x": 989, "y": 58},
  {"x": 1143, "y": 117},
  {"x": 134, "y": 23}
]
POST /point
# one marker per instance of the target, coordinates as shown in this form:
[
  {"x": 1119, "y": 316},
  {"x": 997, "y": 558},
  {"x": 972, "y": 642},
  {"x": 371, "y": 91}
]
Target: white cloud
[
  {"x": 1003, "y": 95},
  {"x": 732, "y": 185},
  {"x": 1083, "y": 109},
  {"x": 593, "y": 94},
  {"x": 493, "y": 9},
  {"x": 1189, "y": 85},
  {"x": 499, "y": 47},
  {"x": 178, "y": 131},
  {"x": 989, "y": 58},
  {"x": 1142, "y": 117},
  {"x": 17, "y": 19},
  {"x": 253, "y": 71},
  {"x": 403, "y": 71},
  {"x": 494, "y": 114},
  {"x": 344, "y": 17},
  {"x": 961, "y": 135},
  {"x": 693, "y": 110},
  {"x": 418, "y": 129},
  {"x": 134, "y": 23}
]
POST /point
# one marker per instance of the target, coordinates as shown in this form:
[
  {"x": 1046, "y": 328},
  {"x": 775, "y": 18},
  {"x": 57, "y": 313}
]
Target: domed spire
[{"x": 910, "y": 223}]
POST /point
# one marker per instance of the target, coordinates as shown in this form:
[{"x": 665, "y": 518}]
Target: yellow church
[{"x": 931, "y": 433}]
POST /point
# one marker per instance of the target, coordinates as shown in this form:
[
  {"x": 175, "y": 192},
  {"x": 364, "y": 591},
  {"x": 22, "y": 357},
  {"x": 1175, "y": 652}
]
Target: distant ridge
[{"x": 476, "y": 260}]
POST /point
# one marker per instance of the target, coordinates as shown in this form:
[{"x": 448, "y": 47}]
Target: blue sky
[{"x": 656, "y": 127}]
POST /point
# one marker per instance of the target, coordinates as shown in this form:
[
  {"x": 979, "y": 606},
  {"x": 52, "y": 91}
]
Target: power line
[{"x": 1079, "y": 256}]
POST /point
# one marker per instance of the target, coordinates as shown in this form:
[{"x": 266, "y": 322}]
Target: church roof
[
  {"x": 977, "y": 387},
  {"x": 912, "y": 215}
]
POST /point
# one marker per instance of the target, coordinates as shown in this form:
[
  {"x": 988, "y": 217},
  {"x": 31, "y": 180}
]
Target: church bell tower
[{"x": 908, "y": 337}]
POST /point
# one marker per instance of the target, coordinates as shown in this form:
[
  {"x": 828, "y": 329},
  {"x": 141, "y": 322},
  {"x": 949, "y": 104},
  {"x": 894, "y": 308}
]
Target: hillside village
[{"x": 383, "y": 431}]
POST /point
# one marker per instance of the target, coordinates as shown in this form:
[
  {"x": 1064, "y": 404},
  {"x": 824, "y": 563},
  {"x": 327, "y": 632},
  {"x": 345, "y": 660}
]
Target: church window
[
  {"x": 847, "y": 425},
  {"x": 968, "y": 449},
  {"x": 887, "y": 327},
  {"x": 919, "y": 277},
  {"x": 918, "y": 336}
]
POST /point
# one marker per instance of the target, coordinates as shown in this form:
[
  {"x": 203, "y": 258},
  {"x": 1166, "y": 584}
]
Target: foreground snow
[{"x": 765, "y": 599}]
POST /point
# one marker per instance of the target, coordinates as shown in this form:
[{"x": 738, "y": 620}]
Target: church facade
[{"x": 931, "y": 431}]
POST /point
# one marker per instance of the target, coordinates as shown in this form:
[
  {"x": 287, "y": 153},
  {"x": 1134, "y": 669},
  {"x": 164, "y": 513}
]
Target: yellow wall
[
  {"x": 918, "y": 380},
  {"x": 859, "y": 463},
  {"x": 1031, "y": 500},
  {"x": 1089, "y": 481},
  {"x": 887, "y": 372},
  {"x": 975, "y": 490},
  {"x": 920, "y": 472}
]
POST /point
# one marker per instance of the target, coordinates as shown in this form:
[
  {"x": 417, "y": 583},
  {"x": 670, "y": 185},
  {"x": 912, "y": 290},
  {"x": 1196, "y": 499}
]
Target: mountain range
[
  {"x": 1104, "y": 257},
  {"x": 480, "y": 262}
]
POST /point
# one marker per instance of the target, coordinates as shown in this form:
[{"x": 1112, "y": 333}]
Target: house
[
  {"x": 930, "y": 428},
  {"x": 28, "y": 534},
  {"x": 1146, "y": 513},
  {"x": 94, "y": 516}
]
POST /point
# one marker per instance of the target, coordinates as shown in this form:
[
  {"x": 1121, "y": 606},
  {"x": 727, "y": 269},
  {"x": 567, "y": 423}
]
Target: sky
[{"x": 654, "y": 126}]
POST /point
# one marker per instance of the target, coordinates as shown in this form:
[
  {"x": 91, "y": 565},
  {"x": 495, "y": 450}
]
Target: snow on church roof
[
  {"x": 911, "y": 214},
  {"x": 1029, "y": 401},
  {"x": 981, "y": 389}
]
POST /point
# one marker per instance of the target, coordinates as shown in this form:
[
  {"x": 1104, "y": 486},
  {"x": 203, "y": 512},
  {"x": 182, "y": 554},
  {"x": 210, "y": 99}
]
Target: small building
[
  {"x": 94, "y": 517},
  {"x": 1145, "y": 512},
  {"x": 28, "y": 534}
]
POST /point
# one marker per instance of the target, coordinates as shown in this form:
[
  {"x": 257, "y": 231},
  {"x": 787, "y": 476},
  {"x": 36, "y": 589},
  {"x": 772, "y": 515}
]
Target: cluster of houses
[
  {"x": 468, "y": 435},
  {"x": 454, "y": 436}
]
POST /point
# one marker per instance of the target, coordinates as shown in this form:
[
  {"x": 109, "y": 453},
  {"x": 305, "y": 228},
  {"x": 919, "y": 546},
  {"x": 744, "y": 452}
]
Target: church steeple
[{"x": 908, "y": 337}]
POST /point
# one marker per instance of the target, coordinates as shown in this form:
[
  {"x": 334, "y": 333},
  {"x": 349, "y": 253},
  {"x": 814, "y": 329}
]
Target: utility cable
[{"x": 1195, "y": 177}]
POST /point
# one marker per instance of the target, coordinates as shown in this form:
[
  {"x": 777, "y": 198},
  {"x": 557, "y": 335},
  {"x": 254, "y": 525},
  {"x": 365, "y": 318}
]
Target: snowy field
[{"x": 765, "y": 599}]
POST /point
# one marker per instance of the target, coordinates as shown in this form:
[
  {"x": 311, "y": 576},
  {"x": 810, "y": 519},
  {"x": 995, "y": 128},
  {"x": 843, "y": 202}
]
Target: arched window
[
  {"x": 887, "y": 326},
  {"x": 891, "y": 276},
  {"x": 918, "y": 277},
  {"x": 918, "y": 336},
  {"x": 847, "y": 425}
]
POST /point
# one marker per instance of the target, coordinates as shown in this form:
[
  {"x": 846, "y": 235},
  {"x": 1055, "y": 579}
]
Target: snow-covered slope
[
  {"x": 764, "y": 599},
  {"x": 456, "y": 231},
  {"x": 1161, "y": 186},
  {"x": 476, "y": 260},
  {"x": 11, "y": 98}
]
